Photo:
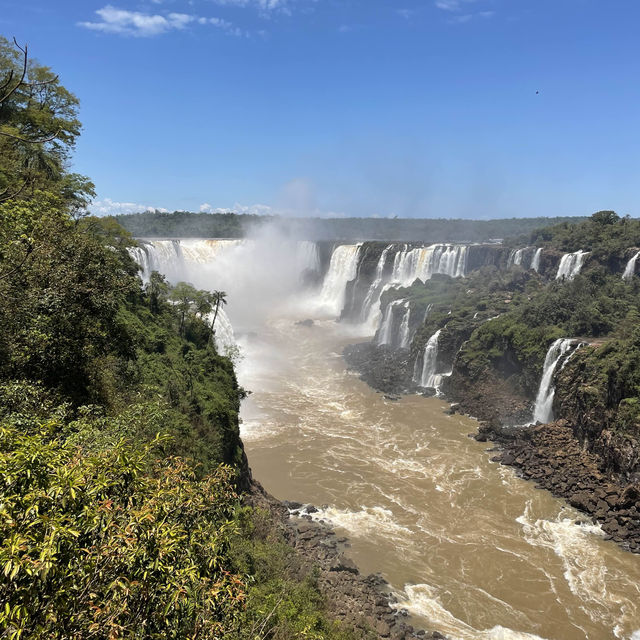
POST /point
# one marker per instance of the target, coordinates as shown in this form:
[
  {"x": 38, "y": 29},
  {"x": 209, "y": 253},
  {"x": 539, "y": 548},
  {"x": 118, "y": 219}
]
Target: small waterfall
[
  {"x": 535, "y": 263},
  {"x": 630, "y": 269},
  {"x": 342, "y": 268},
  {"x": 405, "y": 333},
  {"x": 515, "y": 257},
  {"x": 223, "y": 331},
  {"x": 370, "y": 307},
  {"x": 141, "y": 257},
  {"x": 386, "y": 332},
  {"x": 543, "y": 411},
  {"x": 429, "y": 379},
  {"x": 570, "y": 265}
]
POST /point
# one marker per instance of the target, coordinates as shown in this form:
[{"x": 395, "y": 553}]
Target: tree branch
[
  {"x": 24, "y": 72},
  {"x": 21, "y": 139}
]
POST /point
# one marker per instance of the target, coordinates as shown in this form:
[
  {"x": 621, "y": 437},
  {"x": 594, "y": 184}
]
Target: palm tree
[{"x": 218, "y": 298}]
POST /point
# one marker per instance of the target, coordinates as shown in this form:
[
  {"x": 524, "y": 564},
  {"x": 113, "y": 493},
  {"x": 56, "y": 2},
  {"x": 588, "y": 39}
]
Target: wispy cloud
[
  {"x": 255, "y": 209},
  {"x": 109, "y": 207},
  {"x": 144, "y": 25},
  {"x": 452, "y": 5},
  {"x": 405, "y": 13},
  {"x": 461, "y": 10},
  {"x": 264, "y": 6}
]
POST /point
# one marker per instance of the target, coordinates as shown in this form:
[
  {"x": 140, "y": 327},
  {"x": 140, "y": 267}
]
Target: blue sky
[{"x": 415, "y": 108}]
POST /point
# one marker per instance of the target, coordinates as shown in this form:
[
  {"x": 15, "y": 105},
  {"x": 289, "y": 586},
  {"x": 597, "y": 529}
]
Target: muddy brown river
[{"x": 470, "y": 549}]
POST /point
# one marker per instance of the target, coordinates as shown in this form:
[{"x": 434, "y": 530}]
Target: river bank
[
  {"x": 362, "y": 602},
  {"x": 548, "y": 454}
]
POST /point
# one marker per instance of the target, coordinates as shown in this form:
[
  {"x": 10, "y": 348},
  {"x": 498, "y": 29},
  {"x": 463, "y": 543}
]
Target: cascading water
[
  {"x": 429, "y": 379},
  {"x": 371, "y": 306},
  {"x": 409, "y": 265},
  {"x": 140, "y": 255},
  {"x": 543, "y": 411},
  {"x": 570, "y": 265},
  {"x": 405, "y": 331},
  {"x": 307, "y": 257},
  {"x": 386, "y": 332},
  {"x": 535, "y": 263},
  {"x": 515, "y": 257},
  {"x": 342, "y": 268},
  {"x": 630, "y": 269}
]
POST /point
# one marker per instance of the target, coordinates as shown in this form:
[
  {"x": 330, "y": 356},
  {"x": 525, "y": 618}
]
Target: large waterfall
[
  {"x": 409, "y": 265},
  {"x": 342, "y": 268},
  {"x": 543, "y": 411},
  {"x": 570, "y": 265},
  {"x": 253, "y": 272},
  {"x": 630, "y": 269}
]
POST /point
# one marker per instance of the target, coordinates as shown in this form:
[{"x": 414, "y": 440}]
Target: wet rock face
[
  {"x": 484, "y": 255},
  {"x": 551, "y": 456},
  {"x": 381, "y": 367},
  {"x": 362, "y": 603}
]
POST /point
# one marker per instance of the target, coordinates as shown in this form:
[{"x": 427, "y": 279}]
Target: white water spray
[
  {"x": 630, "y": 269},
  {"x": 535, "y": 263},
  {"x": 570, "y": 265},
  {"x": 543, "y": 411}
]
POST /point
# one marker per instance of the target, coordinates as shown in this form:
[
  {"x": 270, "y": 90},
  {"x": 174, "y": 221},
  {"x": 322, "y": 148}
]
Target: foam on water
[
  {"x": 422, "y": 600},
  {"x": 365, "y": 522}
]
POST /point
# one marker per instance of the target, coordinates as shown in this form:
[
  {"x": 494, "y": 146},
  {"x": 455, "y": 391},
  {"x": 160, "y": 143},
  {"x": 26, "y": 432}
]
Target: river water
[{"x": 470, "y": 549}]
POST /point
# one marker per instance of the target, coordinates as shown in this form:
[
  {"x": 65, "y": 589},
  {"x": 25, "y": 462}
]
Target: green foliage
[
  {"x": 93, "y": 547},
  {"x": 231, "y": 225},
  {"x": 283, "y": 600},
  {"x": 38, "y": 130}
]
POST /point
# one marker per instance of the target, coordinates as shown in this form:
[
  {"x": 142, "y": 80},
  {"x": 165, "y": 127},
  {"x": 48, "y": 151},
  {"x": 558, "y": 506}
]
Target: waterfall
[
  {"x": 409, "y": 265},
  {"x": 630, "y": 269},
  {"x": 370, "y": 307},
  {"x": 342, "y": 268},
  {"x": 223, "y": 331},
  {"x": 429, "y": 379},
  {"x": 515, "y": 257},
  {"x": 570, "y": 265},
  {"x": 405, "y": 334},
  {"x": 543, "y": 411},
  {"x": 141, "y": 257},
  {"x": 535, "y": 263},
  {"x": 385, "y": 333},
  {"x": 307, "y": 257},
  {"x": 423, "y": 262}
]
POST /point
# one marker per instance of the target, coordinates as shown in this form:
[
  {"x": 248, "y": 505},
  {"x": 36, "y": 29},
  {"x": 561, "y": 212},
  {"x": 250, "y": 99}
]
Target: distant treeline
[{"x": 183, "y": 224}]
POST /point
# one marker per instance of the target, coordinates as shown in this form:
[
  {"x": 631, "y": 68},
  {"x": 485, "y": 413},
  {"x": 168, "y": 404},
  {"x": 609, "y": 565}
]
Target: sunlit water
[{"x": 471, "y": 550}]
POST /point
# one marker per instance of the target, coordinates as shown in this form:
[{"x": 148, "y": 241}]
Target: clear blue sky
[{"x": 416, "y": 108}]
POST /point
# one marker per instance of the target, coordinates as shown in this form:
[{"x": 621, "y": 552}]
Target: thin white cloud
[
  {"x": 144, "y": 25},
  {"x": 405, "y": 13},
  {"x": 109, "y": 207},
  {"x": 452, "y": 5},
  {"x": 255, "y": 209}
]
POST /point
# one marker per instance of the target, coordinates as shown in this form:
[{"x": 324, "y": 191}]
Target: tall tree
[{"x": 38, "y": 130}]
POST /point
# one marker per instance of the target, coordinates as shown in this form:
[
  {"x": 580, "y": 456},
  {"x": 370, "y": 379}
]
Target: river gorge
[{"x": 468, "y": 548}]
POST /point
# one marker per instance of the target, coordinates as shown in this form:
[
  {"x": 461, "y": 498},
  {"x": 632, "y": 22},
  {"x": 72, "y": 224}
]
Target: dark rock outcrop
[
  {"x": 360, "y": 602},
  {"x": 551, "y": 456}
]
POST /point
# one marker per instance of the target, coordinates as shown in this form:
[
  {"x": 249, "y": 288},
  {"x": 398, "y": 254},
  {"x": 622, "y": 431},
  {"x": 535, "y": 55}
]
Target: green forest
[
  {"x": 183, "y": 224},
  {"x": 121, "y": 465}
]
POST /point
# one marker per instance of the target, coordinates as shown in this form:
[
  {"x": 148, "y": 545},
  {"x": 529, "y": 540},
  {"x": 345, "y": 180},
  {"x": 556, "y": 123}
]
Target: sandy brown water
[{"x": 471, "y": 550}]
